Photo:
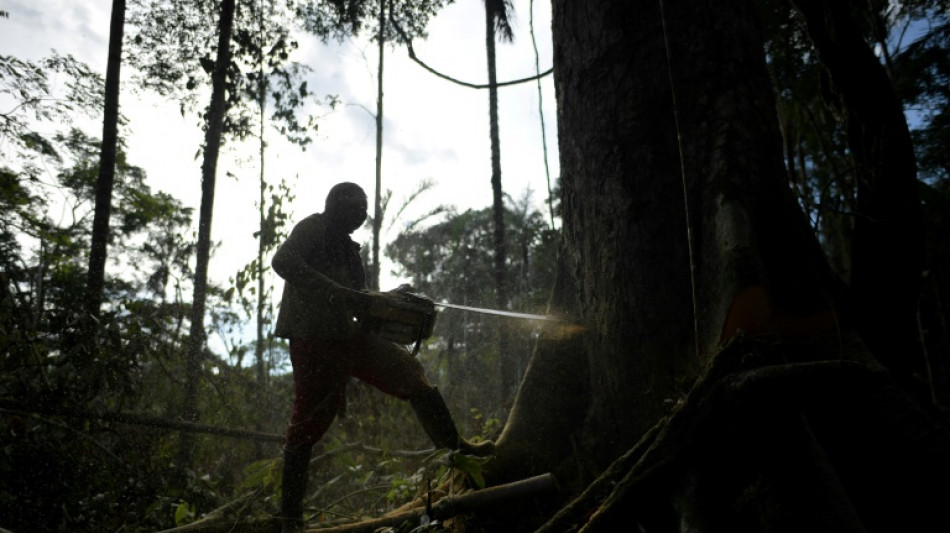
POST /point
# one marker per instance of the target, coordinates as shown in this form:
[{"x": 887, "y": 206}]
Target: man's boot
[
  {"x": 293, "y": 487},
  {"x": 437, "y": 422}
]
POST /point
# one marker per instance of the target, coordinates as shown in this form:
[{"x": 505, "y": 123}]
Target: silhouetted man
[{"x": 324, "y": 297}]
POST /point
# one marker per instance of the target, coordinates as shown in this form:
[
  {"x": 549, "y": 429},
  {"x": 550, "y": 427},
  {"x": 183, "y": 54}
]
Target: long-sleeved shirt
[{"x": 315, "y": 262}]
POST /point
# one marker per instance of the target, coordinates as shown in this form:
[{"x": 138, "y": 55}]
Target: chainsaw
[
  {"x": 401, "y": 317},
  {"x": 405, "y": 317}
]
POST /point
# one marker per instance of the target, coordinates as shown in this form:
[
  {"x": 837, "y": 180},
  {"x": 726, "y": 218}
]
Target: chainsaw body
[{"x": 401, "y": 317}]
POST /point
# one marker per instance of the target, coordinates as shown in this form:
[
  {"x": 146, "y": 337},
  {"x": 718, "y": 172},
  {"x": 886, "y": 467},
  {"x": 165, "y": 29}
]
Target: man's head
[{"x": 346, "y": 206}]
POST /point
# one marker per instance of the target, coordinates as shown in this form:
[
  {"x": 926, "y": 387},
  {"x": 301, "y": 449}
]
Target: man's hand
[
  {"x": 352, "y": 301},
  {"x": 405, "y": 287}
]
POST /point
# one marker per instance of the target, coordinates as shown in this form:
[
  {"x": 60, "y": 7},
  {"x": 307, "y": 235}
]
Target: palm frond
[{"x": 503, "y": 14}]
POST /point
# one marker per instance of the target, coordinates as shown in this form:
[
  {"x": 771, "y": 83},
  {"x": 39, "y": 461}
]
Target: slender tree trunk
[
  {"x": 259, "y": 273},
  {"x": 215, "y": 126},
  {"x": 544, "y": 135},
  {"x": 507, "y": 366},
  {"x": 377, "y": 207},
  {"x": 261, "y": 383},
  {"x": 107, "y": 158},
  {"x": 39, "y": 302}
]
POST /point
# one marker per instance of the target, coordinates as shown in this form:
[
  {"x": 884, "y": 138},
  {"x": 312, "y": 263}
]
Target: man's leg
[
  {"x": 319, "y": 387},
  {"x": 293, "y": 486},
  {"x": 437, "y": 422},
  {"x": 393, "y": 370}
]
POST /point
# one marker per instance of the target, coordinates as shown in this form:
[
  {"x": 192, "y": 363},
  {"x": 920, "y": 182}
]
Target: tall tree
[
  {"x": 498, "y": 26},
  {"x": 176, "y": 62},
  {"x": 377, "y": 195},
  {"x": 262, "y": 241},
  {"x": 217, "y": 109},
  {"x": 544, "y": 135},
  {"x": 110, "y": 127},
  {"x": 819, "y": 124},
  {"x": 889, "y": 214},
  {"x": 270, "y": 45},
  {"x": 680, "y": 233}
]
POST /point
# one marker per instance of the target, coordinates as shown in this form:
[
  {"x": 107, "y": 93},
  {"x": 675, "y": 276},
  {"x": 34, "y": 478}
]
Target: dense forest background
[{"x": 116, "y": 413}]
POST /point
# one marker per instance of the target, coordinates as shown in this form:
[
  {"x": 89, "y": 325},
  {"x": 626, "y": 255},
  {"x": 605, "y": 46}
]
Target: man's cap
[{"x": 344, "y": 192}]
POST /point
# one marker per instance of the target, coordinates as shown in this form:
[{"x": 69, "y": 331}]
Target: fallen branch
[
  {"x": 600, "y": 488},
  {"x": 255, "y": 525},
  {"x": 452, "y": 506},
  {"x": 143, "y": 420},
  {"x": 13, "y": 407},
  {"x": 224, "y": 518}
]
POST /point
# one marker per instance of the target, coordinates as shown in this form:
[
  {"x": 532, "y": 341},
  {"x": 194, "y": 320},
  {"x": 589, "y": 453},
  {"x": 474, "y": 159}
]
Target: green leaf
[
  {"x": 472, "y": 467},
  {"x": 184, "y": 513}
]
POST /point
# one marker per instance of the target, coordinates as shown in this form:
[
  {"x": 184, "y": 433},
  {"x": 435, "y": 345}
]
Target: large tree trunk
[
  {"x": 679, "y": 227},
  {"x": 215, "y": 126},
  {"x": 679, "y": 233},
  {"x": 675, "y": 201},
  {"x": 110, "y": 127}
]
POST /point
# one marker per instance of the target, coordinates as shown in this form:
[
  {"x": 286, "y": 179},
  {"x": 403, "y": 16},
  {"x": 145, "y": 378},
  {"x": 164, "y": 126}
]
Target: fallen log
[
  {"x": 451, "y": 506},
  {"x": 231, "y": 517}
]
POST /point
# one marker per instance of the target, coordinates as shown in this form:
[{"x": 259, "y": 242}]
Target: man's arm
[{"x": 291, "y": 264}]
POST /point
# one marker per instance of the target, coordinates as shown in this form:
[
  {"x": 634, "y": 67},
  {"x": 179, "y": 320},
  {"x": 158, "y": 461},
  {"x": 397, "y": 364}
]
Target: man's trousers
[{"x": 322, "y": 368}]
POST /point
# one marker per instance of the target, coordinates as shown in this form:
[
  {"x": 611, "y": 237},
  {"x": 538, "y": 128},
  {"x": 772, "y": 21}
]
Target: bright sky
[{"x": 433, "y": 129}]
